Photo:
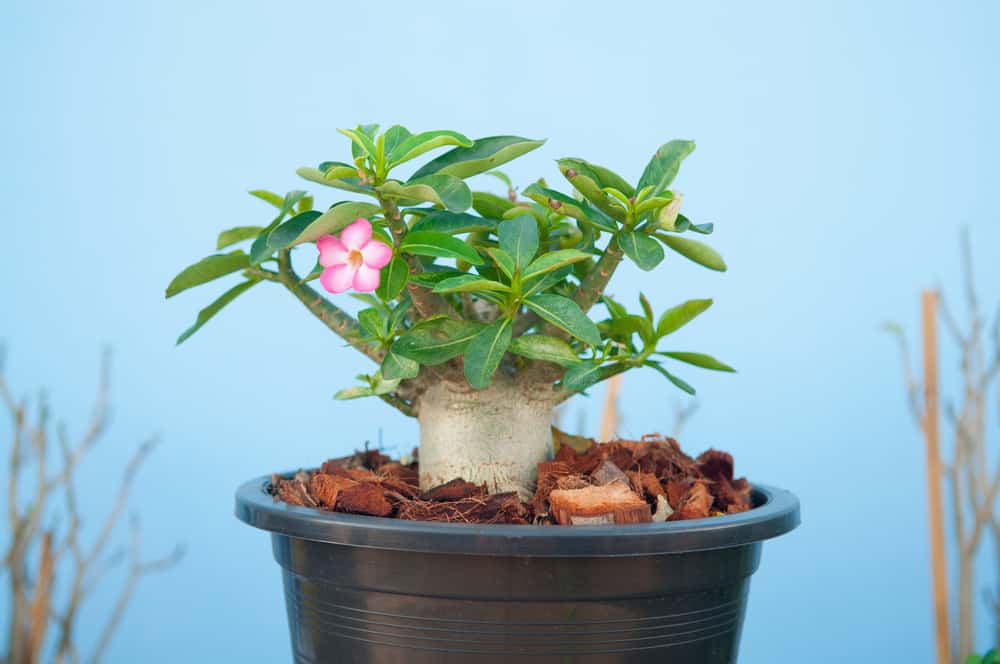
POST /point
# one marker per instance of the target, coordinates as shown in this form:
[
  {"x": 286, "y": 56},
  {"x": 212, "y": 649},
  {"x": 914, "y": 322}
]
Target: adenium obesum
[{"x": 478, "y": 307}]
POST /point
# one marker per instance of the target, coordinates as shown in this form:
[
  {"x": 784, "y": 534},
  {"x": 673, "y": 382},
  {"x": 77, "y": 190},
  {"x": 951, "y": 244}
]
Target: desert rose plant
[{"x": 476, "y": 305}]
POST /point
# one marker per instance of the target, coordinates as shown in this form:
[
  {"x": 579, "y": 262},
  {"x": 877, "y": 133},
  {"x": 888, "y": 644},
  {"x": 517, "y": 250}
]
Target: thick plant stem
[
  {"x": 592, "y": 287},
  {"x": 495, "y": 436},
  {"x": 335, "y": 318}
]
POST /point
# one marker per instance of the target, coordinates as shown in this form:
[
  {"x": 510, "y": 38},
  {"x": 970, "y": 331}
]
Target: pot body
[{"x": 362, "y": 589}]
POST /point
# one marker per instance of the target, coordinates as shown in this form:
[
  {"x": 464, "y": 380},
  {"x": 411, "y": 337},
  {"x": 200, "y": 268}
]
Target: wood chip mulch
[{"x": 588, "y": 483}]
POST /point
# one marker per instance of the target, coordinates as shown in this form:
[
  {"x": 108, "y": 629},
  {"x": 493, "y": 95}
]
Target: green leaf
[
  {"x": 384, "y": 385},
  {"x": 669, "y": 376},
  {"x": 352, "y": 183},
  {"x": 236, "y": 235},
  {"x": 586, "y": 180},
  {"x": 469, "y": 282},
  {"x": 334, "y": 170},
  {"x": 453, "y": 223},
  {"x": 485, "y": 351},
  {"x": 569, "y": 206},
  {"x": 436, "y": 340},
  {"x": 647, "y": 308},
  {"x": 208, "y": 312},
  {"x": 490, "y": 205},
  {"x": 398, "y": 314},
  {"x": 259, "y": 250},
  {"x": 503, "y": 260},
  {"x": 485, "y": 154},
  {"x": 373, "y": 322},
  {"x": 431, "y": 279},
  {"x": 565, "y": 314},
  {"x": 698, "y": 360},
  {"x": 608, "y": 178},
  {"x": 696, "y": 251},
  {"x": 312, "y": 225},
  {"x": 208, "y": 269},
  {"x": 662, "y": 168},
  {"x": 503, "y": 177},
  {"x": 277, "y": 200},
  {"x": 519, "y": 239},
  {"x": 552, "y": 260},
  {"x": 392, "y": 279},
  {"x": 682, "y": 224},
  {"x": 439, "y": 245},
  {"x": 644, "y": 251},
  {"x": 395, "y": 136},
  {"x": 545, "y": 348},
  {"x": 581, "y": 376},
  {"x": 355, "y": 392},
  {"x": 622, "y": 329},
  {"x": 416, "y": 145},
  {"x": 677, "y": 317},
  {"x": 397, "y": 367},
  {"x": 547, "y": 281},
  {"x": 363, "y": 140},
  {"x": 614, "y": 309},
  {"x": 447, "y": 191}
]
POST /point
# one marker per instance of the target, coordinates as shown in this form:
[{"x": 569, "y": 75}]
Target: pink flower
[{"x": 354, "y": 260}]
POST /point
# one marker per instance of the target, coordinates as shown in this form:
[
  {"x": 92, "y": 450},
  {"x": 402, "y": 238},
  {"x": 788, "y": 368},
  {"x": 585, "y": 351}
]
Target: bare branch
[
  {"x": 137, "y": 569},
  {"x": 682, "y": 413},
  {"x": 34, "y": 558},
  {"x": 909, "y": 382}
]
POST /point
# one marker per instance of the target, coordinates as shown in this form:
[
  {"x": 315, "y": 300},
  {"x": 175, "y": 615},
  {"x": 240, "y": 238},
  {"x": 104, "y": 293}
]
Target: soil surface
[{"x": 621, "y": 481}]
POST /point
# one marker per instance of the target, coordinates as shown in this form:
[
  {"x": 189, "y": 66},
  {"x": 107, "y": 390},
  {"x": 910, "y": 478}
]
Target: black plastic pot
[{"x": 366, "y": 589}]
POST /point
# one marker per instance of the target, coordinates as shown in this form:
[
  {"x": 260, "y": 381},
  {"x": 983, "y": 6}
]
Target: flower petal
[
  {"x": 338, "y": 278},
  {"x": 331, "y": 251},
  {"x": 376, "y": 254},
  {"x": 356, "y": 234},
  {"x": 366, "y": 280}
]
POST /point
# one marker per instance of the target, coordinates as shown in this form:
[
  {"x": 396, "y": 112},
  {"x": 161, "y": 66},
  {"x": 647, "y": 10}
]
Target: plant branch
[
  {"x": 336, "y": 319},
  {"x": 408, "y": 409},
  {"x": 592, "y": 287},
  {"x": 137, "y": 569},
  {"x": 425, "y": 302}
]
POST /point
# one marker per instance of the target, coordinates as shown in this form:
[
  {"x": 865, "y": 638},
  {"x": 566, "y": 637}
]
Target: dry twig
[{"x": 34, "y": 546}]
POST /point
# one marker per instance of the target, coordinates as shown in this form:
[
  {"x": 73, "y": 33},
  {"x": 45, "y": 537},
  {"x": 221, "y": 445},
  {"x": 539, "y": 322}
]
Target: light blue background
[{"x": 841, "y": 145}]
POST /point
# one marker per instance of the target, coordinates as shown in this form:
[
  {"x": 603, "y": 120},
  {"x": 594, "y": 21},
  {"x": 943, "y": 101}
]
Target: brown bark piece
[
  {"x": 325, "y": 488},
  {"x": 716, "y": 465},
  {"x": 646, "y": 485},
  {"x": 549, "y": 473},
  {"x": 295, "y": 492},
  {"x": 364, "y": 499},
  {"x": 456, "y": 489},
  {"x": 496, "y": 508},
  {"x": 611, "y": 503},
  {"x": 607, "y": 473},
  {"x": 398, "y": 471},
  {"x": 733, "y": 496},
  {"x": 696, "y": 503}
]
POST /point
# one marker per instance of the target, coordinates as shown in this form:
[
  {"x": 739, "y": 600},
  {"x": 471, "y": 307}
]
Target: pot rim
[{"x": 776, "y": 512}]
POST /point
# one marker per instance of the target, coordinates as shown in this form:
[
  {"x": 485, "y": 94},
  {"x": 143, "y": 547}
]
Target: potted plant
[{"x": 477, "y": 323}]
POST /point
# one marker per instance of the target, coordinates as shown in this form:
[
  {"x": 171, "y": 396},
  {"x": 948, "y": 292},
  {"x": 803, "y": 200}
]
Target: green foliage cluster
[{"x": 478, "y": 282}]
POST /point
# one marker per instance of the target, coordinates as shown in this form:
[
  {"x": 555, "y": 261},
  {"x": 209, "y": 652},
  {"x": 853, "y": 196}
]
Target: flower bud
[{"x": 666, "y": 218}]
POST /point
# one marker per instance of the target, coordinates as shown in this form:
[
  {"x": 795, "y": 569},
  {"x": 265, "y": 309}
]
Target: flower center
[{"x": 354, "y": 258}]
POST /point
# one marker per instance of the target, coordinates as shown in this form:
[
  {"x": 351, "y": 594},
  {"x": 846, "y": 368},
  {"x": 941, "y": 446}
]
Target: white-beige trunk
[{"x": 494, "y": 436}]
